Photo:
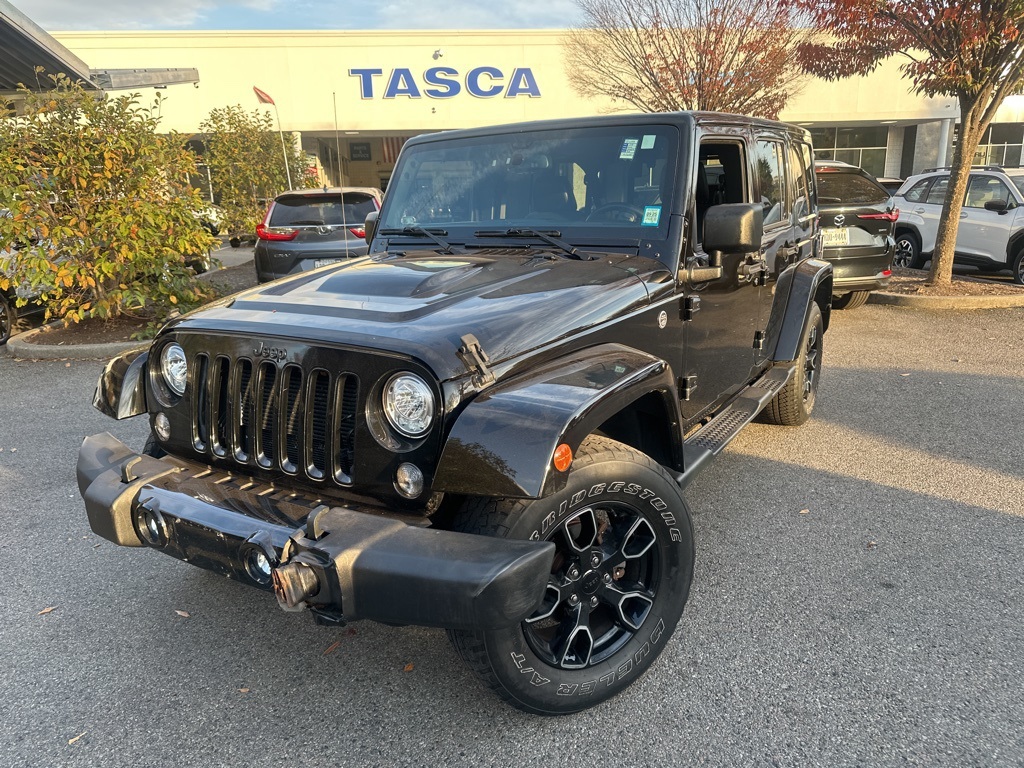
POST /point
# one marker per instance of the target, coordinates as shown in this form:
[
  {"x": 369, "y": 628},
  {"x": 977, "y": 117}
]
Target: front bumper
[{"x": 341, "y": 563}]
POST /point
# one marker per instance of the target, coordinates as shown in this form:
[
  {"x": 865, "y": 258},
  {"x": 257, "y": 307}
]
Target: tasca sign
[{"x": 446, "y": 83}]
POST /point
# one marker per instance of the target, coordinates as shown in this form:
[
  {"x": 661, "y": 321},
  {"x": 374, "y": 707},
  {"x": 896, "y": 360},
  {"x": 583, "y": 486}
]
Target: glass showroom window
[
  {"x": 1001, "y": 145},
  {"x": 862, "y": 145}
]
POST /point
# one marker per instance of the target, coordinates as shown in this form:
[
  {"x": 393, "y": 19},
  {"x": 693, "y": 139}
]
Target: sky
[{"x": 62, "y": 15}]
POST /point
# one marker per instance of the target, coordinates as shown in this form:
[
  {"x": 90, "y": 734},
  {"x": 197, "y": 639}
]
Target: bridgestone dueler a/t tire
[
  {"x": 617, "y": 484},
  {"x": 794, "y": 403}
]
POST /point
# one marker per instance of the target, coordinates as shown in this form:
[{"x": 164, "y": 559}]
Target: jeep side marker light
[{"x": 562, "y": 457}]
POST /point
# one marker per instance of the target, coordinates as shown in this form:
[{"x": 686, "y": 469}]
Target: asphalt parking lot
[{"x": 858, "y": 600}]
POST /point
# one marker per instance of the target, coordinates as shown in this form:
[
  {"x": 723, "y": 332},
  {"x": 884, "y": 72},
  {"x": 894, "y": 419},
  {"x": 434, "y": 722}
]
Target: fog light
[
  {"x": 258, "y": 566},
  {"x": 409, "y": 481},
  {"x": 150, "y": 526},
  {"x": 162, "y": 427}
]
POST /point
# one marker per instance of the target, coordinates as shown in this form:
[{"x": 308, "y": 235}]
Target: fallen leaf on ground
[
  {"x": 408, "y": 667},
  {"x": 350, "y": 631},
  {"x": 332, "y": 647},
  {"x": 904, "y": 374},
  {"x": 872, "y": 544},
  {"x": 183, "y": 614},
  {"x": 72, "y": 741},
  {"x": 67, "y": 365},
  {"x": 47, "y": 610},
  {"x": 243, "y": 690},
  {"x": 805, "y": 511}
]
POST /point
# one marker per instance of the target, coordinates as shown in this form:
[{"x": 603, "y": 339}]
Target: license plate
[
  {"x": 323, "y": 263},
  {"x": 832, "y": 237}
]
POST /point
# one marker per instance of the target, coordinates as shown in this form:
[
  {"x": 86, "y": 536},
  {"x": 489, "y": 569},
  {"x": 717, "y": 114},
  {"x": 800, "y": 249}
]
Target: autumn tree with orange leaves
[
  {"x": 668, "y": 55},
  {"x": 972, "y": 51}
]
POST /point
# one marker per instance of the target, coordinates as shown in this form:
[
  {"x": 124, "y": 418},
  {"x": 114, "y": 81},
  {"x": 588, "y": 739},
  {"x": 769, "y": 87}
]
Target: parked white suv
[{"x": 991, "y": 233}]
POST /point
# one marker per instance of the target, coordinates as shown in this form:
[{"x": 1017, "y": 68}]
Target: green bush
[{"x": 99, "y": 205}]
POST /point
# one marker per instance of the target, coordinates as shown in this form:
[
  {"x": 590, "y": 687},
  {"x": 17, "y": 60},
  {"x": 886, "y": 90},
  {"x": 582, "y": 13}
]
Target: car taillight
[
  {"x": 275, "y": 233},
  {"x": 357, "y": 231},
  {"x": 887, "y": 216}
]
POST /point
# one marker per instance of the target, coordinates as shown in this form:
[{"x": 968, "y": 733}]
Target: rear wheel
[
  {"x": 795, "y": 401},
  {"x": 908, "y": 251},
  {"x": 620, "y": 578},
  {"x": 850, "y": 300}
]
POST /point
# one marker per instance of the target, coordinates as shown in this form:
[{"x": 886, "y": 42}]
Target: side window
[
  {"x": 937, "y": 193},
  {"x": 771, "y": 179},
  {"x": 916, "y": 194},
  {"x": 807, "y": 168},
  {"x": 986, "y": 189},
  {"x": 721, "y": 178},
  {"x": 801, "y": 192}
]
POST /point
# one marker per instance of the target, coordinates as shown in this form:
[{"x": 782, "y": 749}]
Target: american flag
[{"x": 392, "y": 146}]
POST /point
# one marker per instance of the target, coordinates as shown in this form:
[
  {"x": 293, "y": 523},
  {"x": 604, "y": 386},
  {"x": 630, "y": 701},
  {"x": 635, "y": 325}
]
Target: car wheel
[
  {"x": 621, "y": 576},
  {"x": 1018, "y": 268},
  {"x": 851, "y": 300},
  {"x": 795, "y": 401},
  {"x": 8, "y": 319},
  {"x": 908, "y": 251}
]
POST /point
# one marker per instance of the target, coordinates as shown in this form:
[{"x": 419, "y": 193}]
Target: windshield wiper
[
  {"x": 550, "y": 237},
  {"x": 416, "y": 229}
]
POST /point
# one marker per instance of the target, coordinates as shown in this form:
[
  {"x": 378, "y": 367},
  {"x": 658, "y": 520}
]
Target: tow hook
[{"x": 294, "y": 583}]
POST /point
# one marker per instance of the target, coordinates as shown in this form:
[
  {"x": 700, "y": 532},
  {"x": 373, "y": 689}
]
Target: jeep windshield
[{"x": 584, "y": 184}]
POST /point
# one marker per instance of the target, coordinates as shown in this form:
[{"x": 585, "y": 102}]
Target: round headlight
[
  {"x": 174, "y": 368},
  {"x": 409, "y": 404}
]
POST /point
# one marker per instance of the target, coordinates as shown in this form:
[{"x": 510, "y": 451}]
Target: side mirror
[
  {"x": 728, "y": 228},
  {"x": 999, "y": 206},
  {"x": 370, "y": 227}
]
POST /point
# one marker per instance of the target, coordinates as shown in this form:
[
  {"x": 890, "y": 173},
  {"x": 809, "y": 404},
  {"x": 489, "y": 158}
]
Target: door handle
[
  {"x": 963, "y": 214},
  {"x": 919, "y": 210}
]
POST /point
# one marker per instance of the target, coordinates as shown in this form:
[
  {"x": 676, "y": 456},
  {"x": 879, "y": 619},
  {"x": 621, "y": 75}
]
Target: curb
[
  {"x": 21, "y": 347},
  {"x": 946, "y": 302}
]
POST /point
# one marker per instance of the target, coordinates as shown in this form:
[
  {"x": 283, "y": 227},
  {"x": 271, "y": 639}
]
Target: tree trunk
[{"x": 971, "y": 130}]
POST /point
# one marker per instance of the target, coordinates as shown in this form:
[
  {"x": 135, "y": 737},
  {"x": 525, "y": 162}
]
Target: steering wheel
[{"x": 617, "y": 212}]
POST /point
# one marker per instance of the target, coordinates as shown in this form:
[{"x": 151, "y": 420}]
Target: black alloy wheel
[
  {"x": 618, "y": 583},
  {"x": 793, "y": 404},
  {"x": 908, "y": 252},
  {"x": 1018, "y": 268}
]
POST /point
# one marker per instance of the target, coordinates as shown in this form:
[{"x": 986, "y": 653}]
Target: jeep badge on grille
[{"x": 271, "y": 353}]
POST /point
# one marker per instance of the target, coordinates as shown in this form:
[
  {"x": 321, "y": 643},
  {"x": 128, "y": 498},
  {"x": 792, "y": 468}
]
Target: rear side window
[
  {"x": 321, "y": 210},
  {"x": 771, "y": 181},
  {"x": 917, "y": 192},
  {"x": 849, "y": 189},
  {"x": 937, "y": 194}
]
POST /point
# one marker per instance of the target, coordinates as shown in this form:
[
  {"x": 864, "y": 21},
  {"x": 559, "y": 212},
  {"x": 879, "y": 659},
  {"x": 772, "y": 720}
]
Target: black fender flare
[
  {"x": 121, "y": 389},
  {"x": 503, "y": 442},
  {"x": 802, "y": 284}
]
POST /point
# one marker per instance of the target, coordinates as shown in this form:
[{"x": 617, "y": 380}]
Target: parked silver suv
[{"x": 991, "y": 233}]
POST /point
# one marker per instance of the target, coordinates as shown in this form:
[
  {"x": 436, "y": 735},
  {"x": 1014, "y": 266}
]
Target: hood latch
[{"x": 475, "y": 359}]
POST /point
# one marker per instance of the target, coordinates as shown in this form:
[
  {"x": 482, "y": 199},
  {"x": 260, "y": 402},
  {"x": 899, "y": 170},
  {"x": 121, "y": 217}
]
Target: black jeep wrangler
[{"x": 487, "y": 423}]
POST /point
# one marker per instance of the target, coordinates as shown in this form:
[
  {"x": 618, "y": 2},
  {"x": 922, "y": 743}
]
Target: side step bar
[{"x": 709, "y": 441}]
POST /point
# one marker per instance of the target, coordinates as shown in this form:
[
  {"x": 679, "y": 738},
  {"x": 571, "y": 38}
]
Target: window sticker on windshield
[
  {"x": 652, "y": 215},
  {"x": 628, "y": 149},
  {"x": 648, "y": 141}
]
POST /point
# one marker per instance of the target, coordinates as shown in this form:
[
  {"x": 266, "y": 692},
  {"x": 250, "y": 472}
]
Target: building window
[
  {"x": 863, "y": 146},
  {"x": 1001, "y": 145}
]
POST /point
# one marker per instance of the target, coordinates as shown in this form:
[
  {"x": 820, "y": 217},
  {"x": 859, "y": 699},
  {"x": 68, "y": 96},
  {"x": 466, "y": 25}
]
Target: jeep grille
[{"x": 275, "y": 418}]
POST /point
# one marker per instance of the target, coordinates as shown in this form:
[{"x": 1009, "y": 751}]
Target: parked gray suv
[
  {"x": 991, "y": 231},
  {"x": 311, "y": 228}
]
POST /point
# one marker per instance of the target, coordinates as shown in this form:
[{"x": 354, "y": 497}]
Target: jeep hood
[{"x": 421, "y": 304}]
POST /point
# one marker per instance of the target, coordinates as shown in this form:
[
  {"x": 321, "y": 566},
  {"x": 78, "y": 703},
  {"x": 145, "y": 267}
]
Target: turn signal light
[{"x": 562, "y": 457}]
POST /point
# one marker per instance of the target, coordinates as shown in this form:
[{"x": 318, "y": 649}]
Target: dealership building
[{"x": 353, "y": 97}]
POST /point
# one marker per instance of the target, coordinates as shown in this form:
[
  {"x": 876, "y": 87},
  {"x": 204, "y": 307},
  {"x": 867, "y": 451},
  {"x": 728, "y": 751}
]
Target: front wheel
[
  {"x": 1018, "y": 268},
  {"x": 8, "y": 319},
  {"x": 618, "y": 584}
]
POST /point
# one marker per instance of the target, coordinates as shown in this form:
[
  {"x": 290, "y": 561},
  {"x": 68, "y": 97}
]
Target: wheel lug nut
[
  {"x": 593, "y": 602},
  {"x": 574, "y": 572},
  {"x": 595, "y": 560},
  {"x": 574, "y": 599},
  {"x": 607, "y": 578}
]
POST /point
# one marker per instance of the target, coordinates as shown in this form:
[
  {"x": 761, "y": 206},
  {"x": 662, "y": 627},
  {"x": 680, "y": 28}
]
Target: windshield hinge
[
  {"x": 689, "y": 307},
  {"x": 687, "y": 384},
  {"x": 475, "y": 359}
]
